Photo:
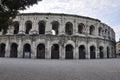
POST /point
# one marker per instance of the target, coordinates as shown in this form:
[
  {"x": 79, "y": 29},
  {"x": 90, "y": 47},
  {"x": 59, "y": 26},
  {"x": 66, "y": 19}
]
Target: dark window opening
[
  {"x": 16, "y": 27},
  {"x": 55, "y": 27},
  {"x": 28, "y": 27},
  {"x": 80, "y": 28},
  {"x": 41, "y": 27},
  {"x": 69, "y": 28},
  {"x": 100, "y": 31},
  {"x": 91, "y": 30}
]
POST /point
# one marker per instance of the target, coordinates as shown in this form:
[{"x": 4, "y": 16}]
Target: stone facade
[
  {"x": 118, "y": 49},
  {"x": 57, "y": 36}
]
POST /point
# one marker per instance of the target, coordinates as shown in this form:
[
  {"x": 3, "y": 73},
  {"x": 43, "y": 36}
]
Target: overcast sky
[{"x": 108, "y": 11}]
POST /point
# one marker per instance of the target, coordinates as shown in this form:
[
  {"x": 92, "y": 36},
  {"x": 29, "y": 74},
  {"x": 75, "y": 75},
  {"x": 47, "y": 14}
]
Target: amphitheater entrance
[
  {"x": 2, "y": 50},
  {"x": 82, "y": 52},
  {"x": 41, "y": 51},
  {"x": 101, "y": 54},
  {"x": 108, "y": 52},
  {"x": 55, "y": 51},
  {"x": 92, "y": 52},
  {"x": 27, "y": 51},
  {"x": 69, "y": 51},
  {"x": 13, "y": 50}
]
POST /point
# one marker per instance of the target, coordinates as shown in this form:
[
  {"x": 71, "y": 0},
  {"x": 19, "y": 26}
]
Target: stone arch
[
  {"x": 108, "y": 52},
  {"x": 28, "y": 25},
  {"x": 14, "y": 50},
  {"x": 69, "y": 28},
  {"x": 2, "y": 50},
  {"x": 100, "y": 31},
  {"x": 41, "y": 27},
  {"x": 27, "y": 51},
  {"x": 55, "y": 51},
  {"x": 81, "y": 28},
  {"x": 16, "y": 27},
  {"x": 41, "y": 51},
  {"x": 101, "y": 52},
  {"x": 91, "y": 30},
  {"x": 82, "y": 53},
  {"x": 69, "y": 51},
  {"x": 55, "y": 27},
  {"x": 92, "y": 52}
]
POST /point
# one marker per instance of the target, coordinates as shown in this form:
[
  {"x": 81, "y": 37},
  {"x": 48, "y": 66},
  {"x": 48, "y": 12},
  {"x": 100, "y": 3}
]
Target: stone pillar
[
  {"x": 62, "y": 26},
  {"x": 22, "y": 27},
  {"x": 33, "y": 50},
  {"x": 76, "y": 52},
  {"x": 48, "y": 50},
  {"x": 7, "y": 49},
  {"x": 48, "y": 28},
  {"x": 87, "y": 50},
  {"x": 20, "y": 50},
  {"x": 60, "y": 51},
  {"x": 75, "y": 28}
]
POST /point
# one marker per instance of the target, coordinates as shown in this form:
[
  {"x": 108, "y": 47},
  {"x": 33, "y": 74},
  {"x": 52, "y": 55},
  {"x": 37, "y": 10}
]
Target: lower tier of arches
[{"x": 55, "y": 51}]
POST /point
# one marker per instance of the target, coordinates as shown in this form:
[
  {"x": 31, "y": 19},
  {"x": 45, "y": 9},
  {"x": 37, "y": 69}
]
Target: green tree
[{"x": 10, "y": 8}]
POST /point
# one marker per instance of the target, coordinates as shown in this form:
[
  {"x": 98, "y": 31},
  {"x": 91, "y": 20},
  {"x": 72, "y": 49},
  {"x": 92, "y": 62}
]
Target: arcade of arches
[{"x": 69, "y": 51}]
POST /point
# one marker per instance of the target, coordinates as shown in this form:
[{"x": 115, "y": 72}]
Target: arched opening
[
  {"x": 69, "y": 51},
  {"x": 13, "y": 50},
  {"x": 2, "y": 50},
  {"x": 27, "y": 51},
  {"x": 41, "y": 27},
  {"x": 108, "y": 52},
  {"x": 101, "y": 53},
  {"x": 16, "y": 27},
  {"x": 82, "y": 52},
  {"x": 55, "y": 27},
  {"x": 100, "y": 31},
  {"x": 81, "y": 28},
  {"x": 69, "y": 28},
  {"x": 41, "y": 51},
  {"x": 92, "y": 52},
  {"x": 91, "y": 30},
  {"x": 28, "y": 27},
  {"x": 55, "y": 51}
]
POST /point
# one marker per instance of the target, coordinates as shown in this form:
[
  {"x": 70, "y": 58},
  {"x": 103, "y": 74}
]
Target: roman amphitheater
[{"x": 57, "y": 36}]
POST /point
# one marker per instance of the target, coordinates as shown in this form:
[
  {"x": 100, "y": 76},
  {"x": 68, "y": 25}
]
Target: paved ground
[{"x": 36, "y": 69}]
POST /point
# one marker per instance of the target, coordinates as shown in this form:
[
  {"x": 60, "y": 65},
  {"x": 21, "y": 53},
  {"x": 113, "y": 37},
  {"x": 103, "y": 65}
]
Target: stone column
[
  {"x": 33, "y": 50},
  {"x": 20, "y": 49},
  {"x": 62, "y": 26},
  {"x": 48, "y": 50},
  {"x": 22, "y": 27},
  {"x": 76, "y": 54},
  {"x": 7, "y": 49},
  {"x": 75, "y": 28},
  {"x": 48, "y": 27}
]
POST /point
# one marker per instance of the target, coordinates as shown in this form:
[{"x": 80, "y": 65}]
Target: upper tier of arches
[{"x": 59, "y": 24}]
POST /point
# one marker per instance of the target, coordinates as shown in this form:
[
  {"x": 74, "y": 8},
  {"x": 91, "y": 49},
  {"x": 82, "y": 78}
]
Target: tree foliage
[{"x": 10, "y": 8}]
